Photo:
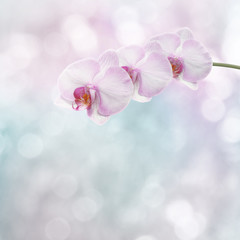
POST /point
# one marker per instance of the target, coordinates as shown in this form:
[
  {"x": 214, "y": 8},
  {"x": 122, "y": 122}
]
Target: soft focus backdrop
[{"x": 168, "y": 169}]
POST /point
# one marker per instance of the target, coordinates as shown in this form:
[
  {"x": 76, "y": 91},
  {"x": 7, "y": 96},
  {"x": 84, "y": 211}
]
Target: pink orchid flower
[
  {"x": 189, "y": 60},
  {"x": 150, "y": 71},
  {"x": 100, "y": 87}
]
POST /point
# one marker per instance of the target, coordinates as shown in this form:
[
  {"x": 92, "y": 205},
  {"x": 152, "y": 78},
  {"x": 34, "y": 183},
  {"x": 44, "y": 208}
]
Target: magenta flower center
[
  {"x": 131, "y": 72},
  {"x": 82, "y": 98},
  {"x": 177, "y": 66}
]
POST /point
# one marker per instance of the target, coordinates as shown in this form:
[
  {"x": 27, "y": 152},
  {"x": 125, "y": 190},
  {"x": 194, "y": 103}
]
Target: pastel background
[{"x": 168, "y": 169}]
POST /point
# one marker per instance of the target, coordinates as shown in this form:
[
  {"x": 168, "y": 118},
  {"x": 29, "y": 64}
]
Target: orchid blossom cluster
[{"x": 105, "y": 86}]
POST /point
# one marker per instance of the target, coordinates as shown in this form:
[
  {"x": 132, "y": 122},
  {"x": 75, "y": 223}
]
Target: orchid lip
[
  {"x": 82, "y": 97},
  {"x": 177, "y": 65}
]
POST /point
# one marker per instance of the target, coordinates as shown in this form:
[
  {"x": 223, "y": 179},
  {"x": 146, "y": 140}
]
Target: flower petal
[
  {"x": 191, "y": 85},
  {"x": 76, "y": 75},
  {"x": 155, "y": 74},
  {"x": 169, "y": 42},
  {"x": 185, "y": 34},
  {"x": 115, "y": 91},
  {"x": 108, "y": 59},
  {"x": 93, "y": 112},
  {"x": 129, "y": 56},
  {"x": 136, "y": 96},
  {"x": 153, "y": 46},
  {"x": 197, "y": 61}
]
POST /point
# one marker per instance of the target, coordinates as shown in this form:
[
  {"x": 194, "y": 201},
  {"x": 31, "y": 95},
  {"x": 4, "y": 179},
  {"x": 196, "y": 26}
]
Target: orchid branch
[
  {"x": 226, "y": 65},
  {"x": 105, "y": 86}
]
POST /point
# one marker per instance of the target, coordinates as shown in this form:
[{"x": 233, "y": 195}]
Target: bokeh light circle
[
  {"x": 58, "y": 229},
  {"x": 230, "y": 129},
  {"x": 30, "y": 145},
  {"x": 85, "y": 209},
  {"x": 146, "y": 237},
  {"x": 65, "y": 186},
  {"x": 213, "y": 109}
]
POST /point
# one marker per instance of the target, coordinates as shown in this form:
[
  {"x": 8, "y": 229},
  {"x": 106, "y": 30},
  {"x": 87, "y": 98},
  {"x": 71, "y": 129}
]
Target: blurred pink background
[{"x": 167, "y": 169}]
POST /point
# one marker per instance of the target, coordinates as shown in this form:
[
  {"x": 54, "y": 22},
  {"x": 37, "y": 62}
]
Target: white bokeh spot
[{"x": 30, "y": 145}]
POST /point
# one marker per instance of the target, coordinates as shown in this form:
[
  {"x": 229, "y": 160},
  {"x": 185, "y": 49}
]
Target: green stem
[{"x": 226, "y": 65}]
